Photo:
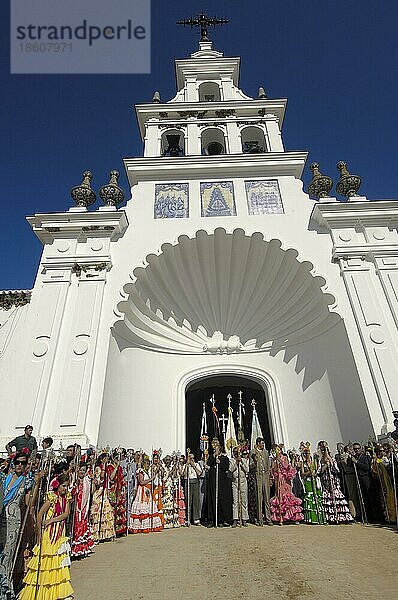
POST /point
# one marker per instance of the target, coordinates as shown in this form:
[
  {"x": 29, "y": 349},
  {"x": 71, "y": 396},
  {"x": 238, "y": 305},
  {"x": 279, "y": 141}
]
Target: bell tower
[
  {"x": 209, "y": 114},
  {"x": 212, "y": 130}
]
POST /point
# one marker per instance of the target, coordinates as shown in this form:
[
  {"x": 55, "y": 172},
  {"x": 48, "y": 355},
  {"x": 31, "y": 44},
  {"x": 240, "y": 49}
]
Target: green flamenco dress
[{"x": 312, "y": 503}]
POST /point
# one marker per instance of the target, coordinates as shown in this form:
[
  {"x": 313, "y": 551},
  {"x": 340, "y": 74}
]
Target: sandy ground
[{"x": 289, "y": 563}]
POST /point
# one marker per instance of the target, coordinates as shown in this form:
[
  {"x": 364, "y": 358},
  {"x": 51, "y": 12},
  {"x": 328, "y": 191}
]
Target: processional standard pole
[
  {"x": 241, "y": 412},
  {"x": 364, "y": 518},
  {"x": 204, "y": 447},
  {"x": 41, "y": 536},
  {"x": 152, "y": 471},
  {"x": 239, "y": 489},
  {"x": 394, "y": 458},
  {"x": 104, "y": 491},
  {"x": 216, "y": 507},
  {"x": 27, "y": 511},
  {"x": 215, "y": 418},
  {"x": 75, "y": 462},
  {"x": 188, "y": 494}
]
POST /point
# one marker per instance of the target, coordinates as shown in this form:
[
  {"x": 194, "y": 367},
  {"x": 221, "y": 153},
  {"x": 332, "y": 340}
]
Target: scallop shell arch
[{"x": 224, "y": 293}]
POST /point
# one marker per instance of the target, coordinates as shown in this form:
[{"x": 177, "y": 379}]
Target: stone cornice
[
  {"x": 197, "y": 64},
  {"x": 10, "y": 298},
  {"x": 50, "y": 226},
  {"x": 78, "y": 263},
  {"x": 364, "y": 251},
  {"x": 380, "y": 213},
  {"x": 206, "y": 167},
  {"x": 242, "y": 108}
]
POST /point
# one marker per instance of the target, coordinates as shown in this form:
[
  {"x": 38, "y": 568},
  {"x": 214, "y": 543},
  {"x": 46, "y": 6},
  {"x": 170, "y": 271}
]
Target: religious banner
[
  {"x": 171, "y": 201},
  {"x": 263, "y": 197},
  {"x": 230, "y": 436},
  {"x": 217, "y": 199},
  {"x": 256, "y": 427}
]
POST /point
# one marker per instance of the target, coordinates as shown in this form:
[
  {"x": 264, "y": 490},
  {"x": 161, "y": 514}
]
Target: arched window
[
  {"x": 172, "y": 143},
  {"x": 253, "y": 140},
  {"x": 213, "y": 141},
  {"x": 209, "y": 91}
]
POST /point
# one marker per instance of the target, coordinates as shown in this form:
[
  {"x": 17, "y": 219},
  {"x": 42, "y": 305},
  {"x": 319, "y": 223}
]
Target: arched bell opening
[
  {"x": 209, "y": 91},
  {"x": 253, "y": 140},
  {"x": 213, "y": 142},
  {"x": 172, "y": 143}
]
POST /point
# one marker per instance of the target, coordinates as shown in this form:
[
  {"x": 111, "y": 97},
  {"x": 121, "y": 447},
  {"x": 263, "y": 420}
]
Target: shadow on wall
[{"x": 330, "y": 354}]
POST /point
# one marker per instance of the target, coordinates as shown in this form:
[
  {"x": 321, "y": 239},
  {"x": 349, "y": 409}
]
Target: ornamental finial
[
  {"x": 156, "y": 97},
  {"x": 204, "y": 22},
  {"x": 320, "y": 185},
  {"x": 348, "y": 185},
  {"x": 83, "y": 195},
  {"x": 111, "y": 194},
  {"x": 261, "y": 94}
]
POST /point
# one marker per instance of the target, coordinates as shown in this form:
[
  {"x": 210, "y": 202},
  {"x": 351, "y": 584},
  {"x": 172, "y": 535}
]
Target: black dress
[{"x": 224, "y": 493}]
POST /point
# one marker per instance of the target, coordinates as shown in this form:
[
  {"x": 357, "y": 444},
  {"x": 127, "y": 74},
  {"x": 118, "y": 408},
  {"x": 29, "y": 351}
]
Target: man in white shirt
[
  {"x": 239, "y": 468},
  {"x": 190, "y": 473}
]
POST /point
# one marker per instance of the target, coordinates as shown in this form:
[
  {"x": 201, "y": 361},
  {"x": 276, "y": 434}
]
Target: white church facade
[{"x": 218, "y": 266}]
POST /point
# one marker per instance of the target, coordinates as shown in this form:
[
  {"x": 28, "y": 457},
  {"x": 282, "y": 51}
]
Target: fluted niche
[{"x": 224, "y": 293}]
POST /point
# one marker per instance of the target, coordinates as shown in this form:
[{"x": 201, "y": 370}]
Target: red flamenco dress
[
  {"x": 117, "y": 494},
  {"x": 82, "y": 542}
]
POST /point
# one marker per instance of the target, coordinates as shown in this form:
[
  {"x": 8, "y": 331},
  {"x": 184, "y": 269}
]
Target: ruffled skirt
[
  {"x": 312, "y": 504},
  {"x": 336, "y": 508},
  {"x": 145, "y": 516},
  {"x": 48, "y": 572},
  {"x": 102, "y": 518},
  {"x": 286, "y": 508},
  {"x": 82, "y": 544}
]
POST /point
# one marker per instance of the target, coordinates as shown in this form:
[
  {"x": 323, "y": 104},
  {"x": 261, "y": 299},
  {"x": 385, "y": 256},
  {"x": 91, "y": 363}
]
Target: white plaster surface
[{"x": 72, "y": 362}]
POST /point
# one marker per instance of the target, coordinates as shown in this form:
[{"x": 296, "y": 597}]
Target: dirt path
[{"x": 289, "y": 563}]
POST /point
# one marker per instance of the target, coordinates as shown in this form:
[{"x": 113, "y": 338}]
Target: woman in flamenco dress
[
  {"x": 169, "y": 500},
  {"x": 117, "y": 491},
  {"x": 312, "y": 503},
  {"x": 285, "y": 507},
  {"x": 144, "y": 516},
  {"x": 82, "y": 541},
  {"x": 102, "y": 515},
  {"x": 48, "y": 576},
  {"x": 335, "y": 506}
]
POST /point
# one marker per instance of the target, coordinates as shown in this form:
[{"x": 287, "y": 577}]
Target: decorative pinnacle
[
  {"x": 261, "y": 93},
  {"x": 204, "y": 22},
  {"x": 83, "y": 195},
  {"x": 111, "y": 194},
  {"x": 348, "y": 185},
  {"x": 156, "y": 97},
  {"x": 320, "y": 185}
]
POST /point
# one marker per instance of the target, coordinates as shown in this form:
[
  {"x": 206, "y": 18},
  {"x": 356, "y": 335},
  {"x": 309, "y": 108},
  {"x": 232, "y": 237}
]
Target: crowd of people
[{"x": 56, "y": 506}]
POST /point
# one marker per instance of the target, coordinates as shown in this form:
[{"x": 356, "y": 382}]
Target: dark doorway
[{"x": 201, "y": 391}]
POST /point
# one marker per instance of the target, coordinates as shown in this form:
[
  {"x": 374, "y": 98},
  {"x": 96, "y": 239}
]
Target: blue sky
[{"x": 336, "y": 62}]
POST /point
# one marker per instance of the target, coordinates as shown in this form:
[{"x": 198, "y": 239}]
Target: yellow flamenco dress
[{"x": 53, "y": 581}]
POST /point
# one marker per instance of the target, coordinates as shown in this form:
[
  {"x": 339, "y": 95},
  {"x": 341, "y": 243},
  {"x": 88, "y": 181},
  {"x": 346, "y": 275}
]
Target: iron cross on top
[{"x": 204, "y": 22}]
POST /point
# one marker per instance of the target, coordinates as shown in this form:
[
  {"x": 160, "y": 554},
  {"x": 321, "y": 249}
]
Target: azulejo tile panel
[
  {"x": 217, "y": 199},
  {"x": 171, "y": 201},
  {"x": 263, "y": 197}
]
